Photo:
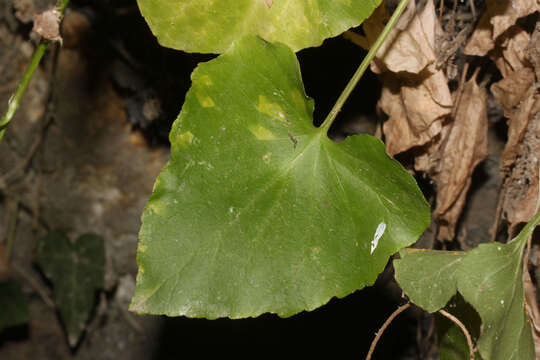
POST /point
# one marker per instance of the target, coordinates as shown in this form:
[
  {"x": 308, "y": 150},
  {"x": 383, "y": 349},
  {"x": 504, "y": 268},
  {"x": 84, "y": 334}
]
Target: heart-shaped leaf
[
  {"x": 259, "y": 211},
  {"x": 76, "y": 270},
  {"x": 210, "y": 26}
]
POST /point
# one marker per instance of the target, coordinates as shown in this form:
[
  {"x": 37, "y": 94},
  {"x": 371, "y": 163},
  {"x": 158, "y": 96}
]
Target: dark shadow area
[{"x": 342, "y": 327}]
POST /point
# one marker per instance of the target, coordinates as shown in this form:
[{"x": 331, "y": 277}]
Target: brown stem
[
  {"x": 398, "y": 311},
  {"x": 463, "y": 328}
]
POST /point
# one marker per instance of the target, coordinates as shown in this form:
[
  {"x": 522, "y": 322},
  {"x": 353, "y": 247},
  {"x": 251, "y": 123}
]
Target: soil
[{"x": 82, "y": 155}]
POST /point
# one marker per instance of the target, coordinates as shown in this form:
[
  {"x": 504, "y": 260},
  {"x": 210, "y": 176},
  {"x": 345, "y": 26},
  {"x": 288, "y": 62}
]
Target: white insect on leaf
[{"x": 378, "y": 234}]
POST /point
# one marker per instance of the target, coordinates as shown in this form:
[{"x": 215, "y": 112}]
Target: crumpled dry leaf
[
  {"x": 498, "y": 17},
  {"x": 409, "y": 46},
  {"x": 415, "y": 94},
  {"x": 513, "y": 45},
  {"x": 414, "y": 110},
  {"x": 47, "y": 24},
  {"x": 520, "y": 101},
  {"x": 451, "y": 158}
]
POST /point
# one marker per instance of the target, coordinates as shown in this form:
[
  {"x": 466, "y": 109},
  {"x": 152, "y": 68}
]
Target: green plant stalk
[
  {"x": 15, "y": 99},
  {"x": 363, "y": 66}
]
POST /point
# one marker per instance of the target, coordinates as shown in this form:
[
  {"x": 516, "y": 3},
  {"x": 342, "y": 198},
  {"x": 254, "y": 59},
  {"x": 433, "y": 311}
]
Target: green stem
[
  {"x": 363, "y": 66},
  {"x": 15, "y": 99}
]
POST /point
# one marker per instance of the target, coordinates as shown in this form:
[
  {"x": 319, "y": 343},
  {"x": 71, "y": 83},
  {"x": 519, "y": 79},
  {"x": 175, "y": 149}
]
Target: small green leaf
[
  {"x": 13, "y": 305},
  {"x": 490, "y": 279},
  {"x": 76, "y": 270},
  {"x": 259, "y": 211},
  {"x": 428, "y": 277},
  {"x": 211, "y": 26}
]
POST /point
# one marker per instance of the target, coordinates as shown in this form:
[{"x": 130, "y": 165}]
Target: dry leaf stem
[{"x": 15, "y": 99}]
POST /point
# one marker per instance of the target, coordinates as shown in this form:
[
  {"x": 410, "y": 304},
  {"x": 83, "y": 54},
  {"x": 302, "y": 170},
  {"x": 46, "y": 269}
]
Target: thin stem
[
  {"x": 463, "y": 328},
  {"x": 398, "y": 311},
  {"x": 15, "y": 99},
  {"x": 363, "y": 66}
]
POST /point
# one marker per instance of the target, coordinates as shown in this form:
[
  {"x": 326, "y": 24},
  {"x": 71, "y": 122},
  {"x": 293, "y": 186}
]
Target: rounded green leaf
[
  {"x": 210, "y": 26},
  {"x": 257, "y": 210}
]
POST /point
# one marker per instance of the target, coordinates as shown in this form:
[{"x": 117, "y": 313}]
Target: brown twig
[
  {"x": 398, "y": 311},
  {"x": 463, "y": 328}
]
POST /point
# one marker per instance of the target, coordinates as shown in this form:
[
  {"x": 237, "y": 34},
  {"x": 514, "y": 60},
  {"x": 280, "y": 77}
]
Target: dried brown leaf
[
  {"x": 481, "y": 41},
  {"x": 511, "y": 90},
  {"x": 505, "y": 13},
  {"x": 415, "y": 105},
  {"x": 499, "y": 17},
  {"x": 520, "y": 100},
  {"x": 464, "y": 148},
  {"x": 411, "y": 49},
  {"x": 512, "y": 55}
]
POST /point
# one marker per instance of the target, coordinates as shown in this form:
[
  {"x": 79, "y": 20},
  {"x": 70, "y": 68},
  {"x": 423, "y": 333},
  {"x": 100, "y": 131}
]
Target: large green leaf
[
  {"x": 210, "y": 26},
  {"x": 257, "y": 210},
  {"x": 490, "y": 279},
  {"x": 428, "y": 277},
  {"x": 76, "y": 270}
]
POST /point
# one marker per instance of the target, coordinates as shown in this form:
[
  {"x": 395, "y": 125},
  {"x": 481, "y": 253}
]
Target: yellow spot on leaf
[
  {"x": 298, "y": 99},
  {"x": 266, "y": 157},
  {"x": 207, "y": 102},
  {"x": 185, "y": 138},
  {"x": 206, "y": 80},
  {"x": 157, "y": 206},
  {"x": 142, "y": 248},
  {"x": 271, "y": 109},
  {"x": 261, "y": 133}
]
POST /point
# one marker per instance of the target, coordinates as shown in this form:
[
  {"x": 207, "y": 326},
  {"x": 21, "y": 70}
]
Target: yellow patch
[
  {"x": 261, "y": 133},
  {"x": 157, "y": 206},
  {"x": 266, "y": 157},
  {"x": 142, "y": 248},
  {"x": 206, "y": 80},
  {"x": 185, "y": 138},
  {"x": 207, "y": 102},
  {"x": 271, "y": 109},
  {"x": 298, "y": 99}
]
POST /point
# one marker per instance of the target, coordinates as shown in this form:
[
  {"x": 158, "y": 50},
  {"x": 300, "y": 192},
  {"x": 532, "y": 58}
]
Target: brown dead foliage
[
  {"x": 516, "y": 56},
  {"x": 498, "y": 18},
  {"x": 415, "y": 94},
  {"x": 451, "y": 157}
]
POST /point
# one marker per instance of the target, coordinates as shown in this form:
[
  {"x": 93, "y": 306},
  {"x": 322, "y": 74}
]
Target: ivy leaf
[
  {"x": 76, "y": 270},
  {"x": 13, "y": 304},
  {"x": 428, "y": 277},
  {"x": 259, "y": 211},
  {"x": 490, "y": 279},
  {"x": 210, "y": 26}
]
